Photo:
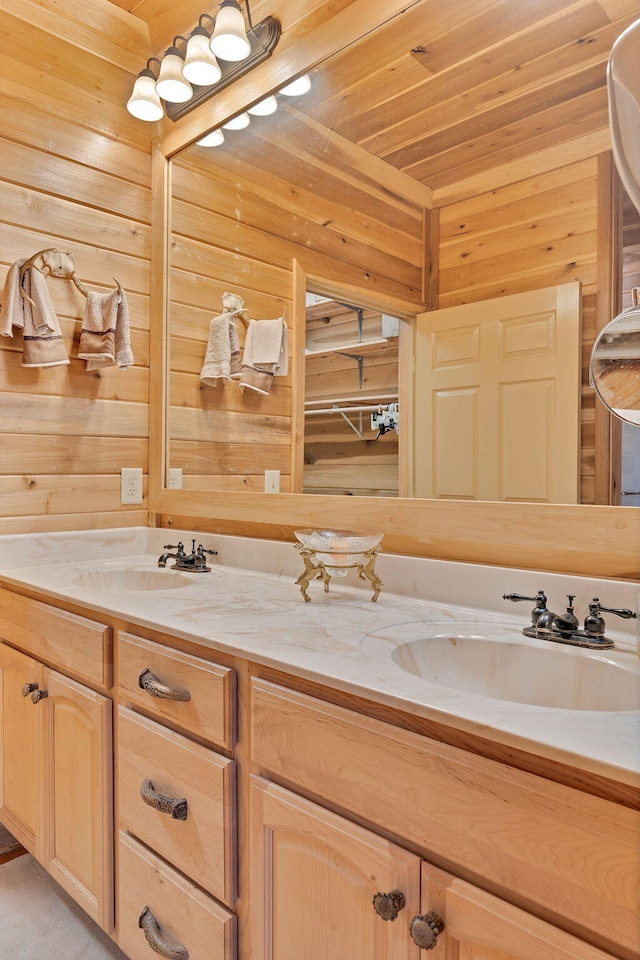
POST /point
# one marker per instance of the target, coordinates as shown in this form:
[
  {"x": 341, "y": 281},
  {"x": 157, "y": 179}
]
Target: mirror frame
[{"x": 599, "y": 541}]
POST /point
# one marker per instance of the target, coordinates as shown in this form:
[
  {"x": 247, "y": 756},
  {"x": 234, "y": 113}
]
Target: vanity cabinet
[
  {"x": 57, "y": 752},
  {"x": 176, "y": 801},
  {"x": 572, "y": 859},
  {"x": 360, "y": 896}
]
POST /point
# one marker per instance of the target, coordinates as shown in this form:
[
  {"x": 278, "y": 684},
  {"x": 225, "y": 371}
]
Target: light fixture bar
[{"x": 263, "y": 39}]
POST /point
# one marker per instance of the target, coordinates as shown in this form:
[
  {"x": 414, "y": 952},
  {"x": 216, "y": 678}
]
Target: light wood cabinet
[
  {"x": 20, "y": 747},
  {"x": 324, "y": 887}
]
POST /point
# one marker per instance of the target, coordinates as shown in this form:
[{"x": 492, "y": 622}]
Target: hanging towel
[
  {"x": 265, "y": 354},
  {"x": 34, "y": 314},
  {"x": 105, "y": 336},
  {"x": 222, "y": 359}
]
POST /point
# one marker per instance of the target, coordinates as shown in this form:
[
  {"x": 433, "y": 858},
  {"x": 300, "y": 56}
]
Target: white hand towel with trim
[
  {"x": 265, "y": 356},
  {"x": 222, "y": 359},
  {"x": 105, "y": 335},
  {"x": 35, "y": 315}
]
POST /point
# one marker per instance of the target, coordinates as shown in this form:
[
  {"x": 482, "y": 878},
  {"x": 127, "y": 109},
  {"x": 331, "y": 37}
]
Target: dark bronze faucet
[
  {"x": 194, "y": 562},
  {"x": 565, "y": 628}
]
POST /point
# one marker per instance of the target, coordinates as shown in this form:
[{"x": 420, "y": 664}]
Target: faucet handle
[
  {"x": 202, "y": 551},
  {"x": 540, "y": 601},
  {"x": 175, "y": 546},
  {"x": 623, "y": 612}
]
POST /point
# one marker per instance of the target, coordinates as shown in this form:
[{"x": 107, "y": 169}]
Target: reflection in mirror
[
  {"x": 351, "y": 421},
  {"x": 615, "y": 366}
]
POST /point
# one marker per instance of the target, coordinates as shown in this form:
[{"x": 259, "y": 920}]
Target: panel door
[
  {"x": 497, "y": 399},
  {"x": 479, "y": 926},
  {"x": 313, "y": 879},
  {"x": 78, "y": 791},
  {"x": 20, "y": 747}
]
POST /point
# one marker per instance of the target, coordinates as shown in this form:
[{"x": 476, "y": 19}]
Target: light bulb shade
[
  {"x": 144, "y": 103},
  {"x": 213, "y": 139},
  {"x": 238, "y": 123},
  {"x": 171, "y": 85},
  {"x": 200, "y": 65},
  {"x": 297, "y": 87},
  {"x": 265, "y": 108},
  {"x": 229, "y": 40}
]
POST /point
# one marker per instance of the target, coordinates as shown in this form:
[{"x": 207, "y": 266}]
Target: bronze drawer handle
[
  {"x": 174, "y": 806},
  {"x": 149, "y": 682},
  {"x": 425, "y": 929},
  {"x": 28, "y": 688},
  {"x": 156, "y": 939},
  {"x": 389, "y": 905}
]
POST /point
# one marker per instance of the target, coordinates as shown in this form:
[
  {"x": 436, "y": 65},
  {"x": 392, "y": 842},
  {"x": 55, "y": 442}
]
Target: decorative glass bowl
[{"x": 331, "y": 553}]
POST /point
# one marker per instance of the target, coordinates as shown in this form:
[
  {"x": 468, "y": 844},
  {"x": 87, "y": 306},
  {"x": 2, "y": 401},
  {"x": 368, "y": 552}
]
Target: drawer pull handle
[
  {"x": 156, "y": 939},
  {"x": 425, "y": 929},
  {"x": 174, "y": 806},
  {"x": 147, "y": 681},
  {"x": 29, "y": 688},
  {"x": 389, "y": 905},
  {"x": 39, "y": 695}
]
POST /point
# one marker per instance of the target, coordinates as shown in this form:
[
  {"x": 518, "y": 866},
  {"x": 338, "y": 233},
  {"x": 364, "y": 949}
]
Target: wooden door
[
  {"x": 313, "y": 879},
  {"x": 78, "y": 787},
  {"x": 20, "y": 747},
  {"x": 497, "y": 399},
  {"x": 479, "y": 926}
]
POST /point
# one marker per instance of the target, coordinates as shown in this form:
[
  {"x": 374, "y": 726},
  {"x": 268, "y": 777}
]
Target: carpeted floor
[{"x": 38, "y": 920}]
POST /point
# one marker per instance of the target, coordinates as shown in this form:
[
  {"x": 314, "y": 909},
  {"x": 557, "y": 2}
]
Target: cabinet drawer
[
  {"x": 197, "y": 836},
  {"x": 184, "y": 915},
  {"x": 74, "y": 644},
  {"x": 575, "y": 855},
  {"x": 201, "y": 697}
]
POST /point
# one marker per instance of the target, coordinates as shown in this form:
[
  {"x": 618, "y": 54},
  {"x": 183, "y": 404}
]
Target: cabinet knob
[
  {"x": 389, "y": 905},
  {"x": 39, "y": 695},
  {"x": 29, "y": 688},
  {"x": 174, "y": 806},
  {"x": 157, "y": 940},
  {"x": 425, "y": 929},
  {"x": 155, "y": 688}
]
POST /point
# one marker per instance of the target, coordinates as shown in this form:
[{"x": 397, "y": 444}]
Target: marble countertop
[{"x": 342, "y": 639}]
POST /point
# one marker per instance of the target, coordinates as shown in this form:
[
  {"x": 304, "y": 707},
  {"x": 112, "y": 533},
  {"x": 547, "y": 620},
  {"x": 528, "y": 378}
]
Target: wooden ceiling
[{"x": 451, "y": 93}]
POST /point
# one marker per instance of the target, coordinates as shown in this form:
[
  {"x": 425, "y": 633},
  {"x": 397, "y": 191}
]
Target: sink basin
[
  {"x": 124, "y": 579},
  {"x": 555, "y": 676}
]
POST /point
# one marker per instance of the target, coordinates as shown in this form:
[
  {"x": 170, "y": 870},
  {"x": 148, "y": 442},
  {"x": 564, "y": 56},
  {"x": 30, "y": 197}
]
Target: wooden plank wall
[
  {"x": 75, "y": 174},
  {"x": 238, "y": 232},
  {"x": 526, "y": 235}
]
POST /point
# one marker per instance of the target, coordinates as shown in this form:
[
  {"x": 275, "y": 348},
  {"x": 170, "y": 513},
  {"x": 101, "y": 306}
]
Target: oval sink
[
  {"x": 118, "y": 580},
  {"x": 558, "y": 676}
]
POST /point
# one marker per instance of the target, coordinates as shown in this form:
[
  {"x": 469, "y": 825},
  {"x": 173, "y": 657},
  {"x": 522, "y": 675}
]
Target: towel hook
[{"x": 53, "y": 262}]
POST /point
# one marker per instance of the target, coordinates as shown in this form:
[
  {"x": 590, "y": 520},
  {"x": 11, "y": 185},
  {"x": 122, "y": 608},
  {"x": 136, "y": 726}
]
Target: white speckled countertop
[{"x": 249, "y": 606}]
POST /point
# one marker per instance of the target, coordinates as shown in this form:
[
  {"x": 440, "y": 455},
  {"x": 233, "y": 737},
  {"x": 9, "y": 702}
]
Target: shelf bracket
[{"x": 359, "y": 360}]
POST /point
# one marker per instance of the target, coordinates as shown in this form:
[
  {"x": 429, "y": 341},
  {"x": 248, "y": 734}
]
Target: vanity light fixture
[
  {"x": 213, "y": 139},
  {"x": 265, "y": 107},
  {"x": 237, "y": 123},
  {"x": 144, "y": 103},
  {"x": 297, "y": 88},
  {"x": 192, "y": 76}
]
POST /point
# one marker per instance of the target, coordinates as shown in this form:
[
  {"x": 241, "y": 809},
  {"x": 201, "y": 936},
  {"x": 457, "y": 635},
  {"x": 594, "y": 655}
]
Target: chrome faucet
[
  {"x": 195, "y": 562},
  {"x": 565, "y": 628}
]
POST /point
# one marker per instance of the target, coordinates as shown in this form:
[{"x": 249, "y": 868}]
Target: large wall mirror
[{"x": 331, "y": 214}]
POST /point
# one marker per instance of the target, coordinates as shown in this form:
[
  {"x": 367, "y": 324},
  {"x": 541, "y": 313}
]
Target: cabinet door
[
  {"x": 479, "y": 926},
  {"x": 78, "y": 787},
  {"x": 313, "y": 879},
  {"x": 20, "y": 747}
]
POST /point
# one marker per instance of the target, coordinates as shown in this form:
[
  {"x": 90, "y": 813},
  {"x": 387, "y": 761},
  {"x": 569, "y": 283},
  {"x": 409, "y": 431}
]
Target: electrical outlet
[
  {"x": 131, "y": 485},
  {"x": 175, "y": 478},
  {"x": 272, "y": 481}
]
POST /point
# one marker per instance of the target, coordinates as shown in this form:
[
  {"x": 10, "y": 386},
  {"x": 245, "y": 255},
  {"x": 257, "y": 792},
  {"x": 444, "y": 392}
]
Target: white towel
[
  {"x": 266, "y": 354},
  {"x": 222, "y": 359},
  {"x": 105, "y": 335},
  {"x": 34, "y": 315}
]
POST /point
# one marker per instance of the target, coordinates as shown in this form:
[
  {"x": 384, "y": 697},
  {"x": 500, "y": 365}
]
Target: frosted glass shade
[
  {"x": 171, "y": 85},
  {"x": 238, "y": 123},
  {"x": 213, "y": 139},
  {"x": 297, "y": 87},
  {"x": 144, "y": 103},
  {"x": 265, "y": 108},
  {"x": 200, "y": 65},
  {"x": 229, "y": 40}
]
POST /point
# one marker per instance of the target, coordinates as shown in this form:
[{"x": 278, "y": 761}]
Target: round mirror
[{"x": 614, "y": 372}]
